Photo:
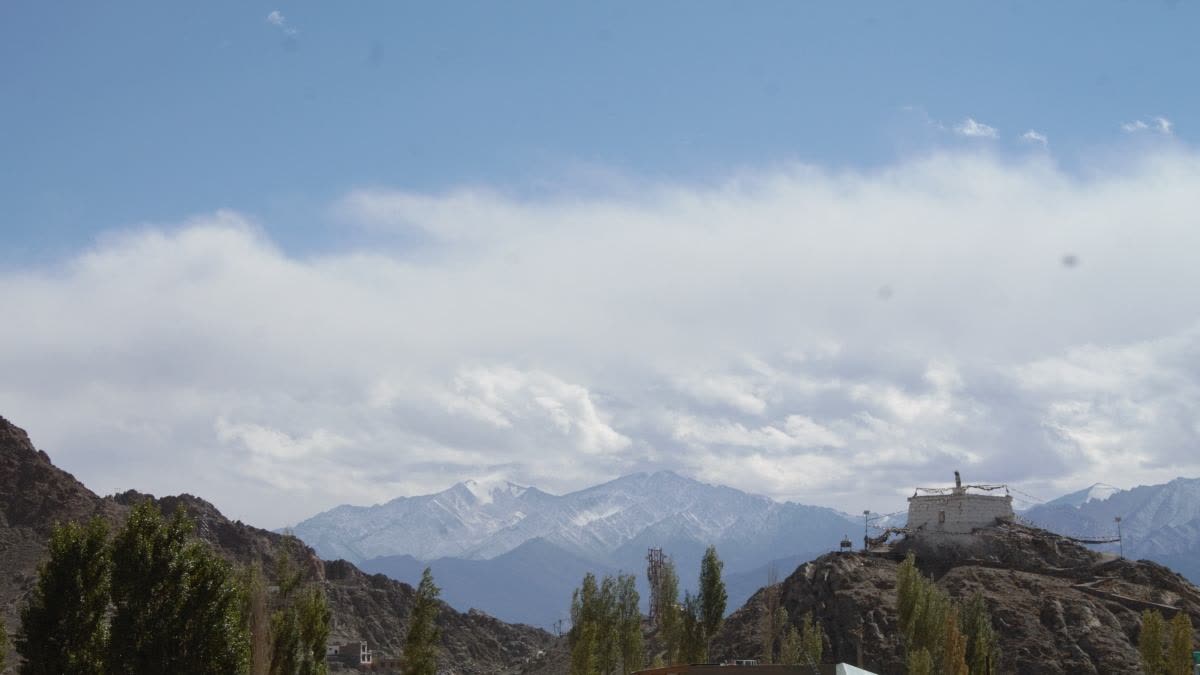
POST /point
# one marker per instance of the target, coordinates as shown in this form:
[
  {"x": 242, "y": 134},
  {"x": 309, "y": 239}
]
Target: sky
[{"x": 291, "y": 255}]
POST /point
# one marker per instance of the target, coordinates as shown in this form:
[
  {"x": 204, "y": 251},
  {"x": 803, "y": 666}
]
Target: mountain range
[
  {"x": 1158, "y": 522},
  {"x": 517, "y": 552}
]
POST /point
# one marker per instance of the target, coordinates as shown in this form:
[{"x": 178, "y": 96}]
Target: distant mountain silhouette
[{"x": 482, "y": 536}]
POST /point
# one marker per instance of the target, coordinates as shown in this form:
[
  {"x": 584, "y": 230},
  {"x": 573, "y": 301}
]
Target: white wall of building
[{"x": 957, "y": 513}]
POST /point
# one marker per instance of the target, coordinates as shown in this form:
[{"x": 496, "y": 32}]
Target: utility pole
[
  {"x": 866, "y": 530},
  {"x": 1120, "y": 541}
]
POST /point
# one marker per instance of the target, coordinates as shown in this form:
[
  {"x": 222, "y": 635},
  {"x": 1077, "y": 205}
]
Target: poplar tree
[
  {"x": 1151, "y": 641},
  {"x": 693, "y": 646},
  {"x": 791, "y": 648},
  {"x": 954, "y": 646},
  {"x": 713, "y": 597},
  {"x": 812, "y": 640},
  {"x": 258, "y": 619},
  {"x": 64, "y": 627},
  {"x": 299, "y": 624},
  {"x": 313, "y": 615},
  {"x": 934, "y": 627},
  {"x": 983, "y": 649},
  {"x": 583, "y": 649},
  {"x": 629, "y": 622},
  {"x": 920, "y": 662},
  {"x": 608, "y": 652},
  {"x": 583, "y": 637},
  {"x": 1179, "y": 645},
  {"x": 606, "y": 626},
  {"x": 421, "y": 643},
  {"x": 669, "y": 616}
]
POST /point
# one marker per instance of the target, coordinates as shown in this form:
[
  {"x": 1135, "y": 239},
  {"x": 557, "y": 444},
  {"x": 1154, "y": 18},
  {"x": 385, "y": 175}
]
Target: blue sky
[
  {"x": 807, "y": 250},
  {"x": 149, "y": 112}
]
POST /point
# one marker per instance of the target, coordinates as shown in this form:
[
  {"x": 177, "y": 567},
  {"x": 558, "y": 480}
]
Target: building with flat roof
[{"x": 961, "y": 509}]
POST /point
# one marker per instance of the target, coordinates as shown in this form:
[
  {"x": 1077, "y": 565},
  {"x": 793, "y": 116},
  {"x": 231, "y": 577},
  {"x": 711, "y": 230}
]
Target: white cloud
[
  {"x": 973, "y": 129},
  {"x": 1160, "y": 125},
  {"x": 732, "y": 331},
  {"x": 277, "y": 19},
  {"x": 1032, "y": 136}
]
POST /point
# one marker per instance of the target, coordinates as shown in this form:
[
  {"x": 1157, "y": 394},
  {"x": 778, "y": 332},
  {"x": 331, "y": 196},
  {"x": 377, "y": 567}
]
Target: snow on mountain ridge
[
  {"x": 488, "y": 490},
  {"x": 484, "y": 519},
  {"x": 1101, "y": 491}
]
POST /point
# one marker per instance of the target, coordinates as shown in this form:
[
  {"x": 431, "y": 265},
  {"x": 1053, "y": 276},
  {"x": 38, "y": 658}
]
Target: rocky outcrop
[
  {"x": 34, "y": 494},
  {"x": 1057, "y": 606}
]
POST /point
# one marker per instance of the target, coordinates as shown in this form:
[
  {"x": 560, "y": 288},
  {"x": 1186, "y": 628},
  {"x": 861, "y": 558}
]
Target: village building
[{"x": 353, "y": 654}]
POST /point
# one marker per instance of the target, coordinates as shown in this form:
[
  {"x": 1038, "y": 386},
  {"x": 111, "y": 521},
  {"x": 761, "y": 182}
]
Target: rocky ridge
[
  {"x": 35, "y": 494},
  {"x": 1057, "y": 606}
]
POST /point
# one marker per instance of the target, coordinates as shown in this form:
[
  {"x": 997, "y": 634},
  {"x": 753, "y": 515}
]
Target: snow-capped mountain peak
[
  {"x": 1099, "y": 492},
  {"x": 489, "y": 490},
  {"x": 1096, "y": 493}
]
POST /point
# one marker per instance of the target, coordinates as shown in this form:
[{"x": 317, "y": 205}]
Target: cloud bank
[{"x": 735, "y": 331}]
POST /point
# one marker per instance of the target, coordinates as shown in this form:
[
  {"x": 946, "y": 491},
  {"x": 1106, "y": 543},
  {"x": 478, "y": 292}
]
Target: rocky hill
[
  {"x": 34, "y": 494},
  {"x": 1057, "y": 606}
]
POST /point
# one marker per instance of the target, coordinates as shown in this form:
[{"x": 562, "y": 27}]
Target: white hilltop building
[{"x": 961, "y": 509}]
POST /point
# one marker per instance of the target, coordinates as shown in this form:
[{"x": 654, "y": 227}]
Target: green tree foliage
[
  {"x": 285, "y": 642},
  {"x": 1165, "y": 648},
  {"x": 584, "y": 644},
  {"x": 693, "y": 647},
  {"x": 954, "y": 645},
  {"x": 299, "y": 624},
  {"x": 314, "y": 616},
  {"x": 421, "y": 643},
  {"x": 176, "y": 606},
  {"x": 669, "y": 614},
  {"x": 931, "y": 623},
  {"x": 791, "y": 648},
  {"x": 983, "y": 645},
  {"x": 1151, "y": 641},
  {"x": 812, "y": 640},
  {"x": 629, "y": 625},
  {"x": 583, "y": 638},
  {"x": 1179, "y": 645},
  {"x": 920, "y": 662},
  {"x": 63, "y": 628},
  {"x": 606, "y": 630},
  {"x": 713, "y": 597},
  {"x": 609, "y": 652},
  {"x": 258, "y": 619}
]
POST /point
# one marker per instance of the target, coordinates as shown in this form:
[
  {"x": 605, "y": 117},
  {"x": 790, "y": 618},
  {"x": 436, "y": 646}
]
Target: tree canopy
[
  {"x": 421, "y": 642},
  {"x": 64, "y": 627}
]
